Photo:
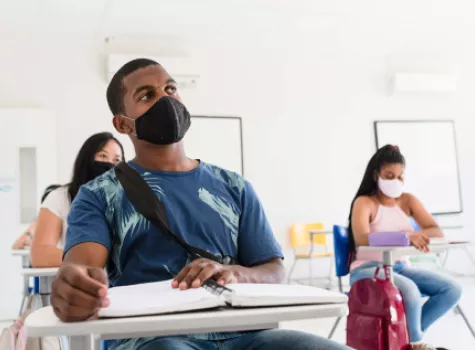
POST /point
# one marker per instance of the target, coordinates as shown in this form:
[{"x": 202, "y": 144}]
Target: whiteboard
[
  {"x": 432, "y": 172},
  {"x": 216, "y": 140}
]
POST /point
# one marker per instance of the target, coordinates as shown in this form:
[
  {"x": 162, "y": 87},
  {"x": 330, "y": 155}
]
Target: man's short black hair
[{"x": 116, "y": 89}]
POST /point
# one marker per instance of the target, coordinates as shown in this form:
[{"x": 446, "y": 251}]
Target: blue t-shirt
[{"x": 209, "y": 207}]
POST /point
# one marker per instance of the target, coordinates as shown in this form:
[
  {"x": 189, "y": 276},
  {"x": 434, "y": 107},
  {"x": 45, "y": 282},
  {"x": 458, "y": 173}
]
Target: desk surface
[
  {"x": 44, "y": 323},
  {"x": 39, "y": 272},
  {"x": 21, "y": 252},
  {"x": 413, "y": 251}
]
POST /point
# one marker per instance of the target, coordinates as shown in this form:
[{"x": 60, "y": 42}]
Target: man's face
[{"x": 143, "y": 88}]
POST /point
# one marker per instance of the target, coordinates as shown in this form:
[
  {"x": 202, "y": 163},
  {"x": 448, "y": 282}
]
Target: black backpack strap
[{"x": 147, "y": 203}]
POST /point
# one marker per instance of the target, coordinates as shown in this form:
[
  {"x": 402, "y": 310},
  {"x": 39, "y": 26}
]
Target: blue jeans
[
  {"x": 443, "y": 292},
  {"x": 272, "y": 339}
]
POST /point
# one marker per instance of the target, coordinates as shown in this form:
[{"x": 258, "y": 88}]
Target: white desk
[
  {"x": 21, "y": 252},
  {"x": 87, "y": 335},
  {"x": 45, "y": 280},
  {"x": 40, "y": 272},
  {"x": 391, "y": 253}
]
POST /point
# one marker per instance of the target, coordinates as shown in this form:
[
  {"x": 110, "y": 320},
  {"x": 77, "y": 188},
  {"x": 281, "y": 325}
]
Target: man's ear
[{"x": 122, "y": 125}]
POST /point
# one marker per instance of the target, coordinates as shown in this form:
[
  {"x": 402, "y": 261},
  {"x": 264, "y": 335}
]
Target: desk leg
[
  {"x": 388, "y": 261},
  {"x": 25, "y": 263},
  {"x": 26, "y": 294},
  {"x": 469, "y": 255},
  {"x": 84, "y": 342},
  {"x": 310, "y": 270}
]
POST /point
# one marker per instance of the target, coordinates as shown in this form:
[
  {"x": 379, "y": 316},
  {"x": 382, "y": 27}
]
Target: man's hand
[
  {"x": 419, "y": 240},
  {"x": 79, "y": 292},
  {"x": 194, "y": 274}
]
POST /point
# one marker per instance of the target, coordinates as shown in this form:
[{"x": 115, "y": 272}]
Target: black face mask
[
  {"x": 99, "y": 168},
  {"x": 166, "y": 122}
]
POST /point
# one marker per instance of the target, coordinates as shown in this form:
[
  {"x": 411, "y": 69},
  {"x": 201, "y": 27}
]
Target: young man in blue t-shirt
[{"x": 208, "y": 207}]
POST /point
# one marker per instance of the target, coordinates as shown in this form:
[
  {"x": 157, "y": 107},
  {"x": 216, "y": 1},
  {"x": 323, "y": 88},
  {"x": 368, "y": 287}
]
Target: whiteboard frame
[
  {"x": 459, "y": 182},
  {"x": 241, "y": 139}
]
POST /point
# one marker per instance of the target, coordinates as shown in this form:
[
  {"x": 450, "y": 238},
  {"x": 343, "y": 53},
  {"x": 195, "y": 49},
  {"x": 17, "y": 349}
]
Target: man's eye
[
  {"x": 171, "y": 89},
  {"x": 145, "y": 97}
]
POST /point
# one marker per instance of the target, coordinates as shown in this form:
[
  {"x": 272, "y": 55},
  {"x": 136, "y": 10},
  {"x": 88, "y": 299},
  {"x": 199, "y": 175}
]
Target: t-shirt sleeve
[
  {"x": 57, "y": 202},
  {"x": 87, "y": 221},
  {"x": 256, "y": 241}
]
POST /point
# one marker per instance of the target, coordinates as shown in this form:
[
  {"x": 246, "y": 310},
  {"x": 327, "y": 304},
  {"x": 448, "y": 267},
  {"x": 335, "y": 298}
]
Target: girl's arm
[
  {"x": 44, "y": 251},
  {"x": 429, "y": 227},
  {"x": 360, "y": 219}
]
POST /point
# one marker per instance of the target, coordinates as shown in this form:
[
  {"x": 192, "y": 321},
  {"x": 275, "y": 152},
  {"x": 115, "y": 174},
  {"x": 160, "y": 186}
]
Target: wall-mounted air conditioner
[{"x": 181, "y": 68}]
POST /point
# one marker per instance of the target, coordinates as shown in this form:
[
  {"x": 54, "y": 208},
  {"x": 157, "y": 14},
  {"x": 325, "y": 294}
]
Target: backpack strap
[{"x": 141, "y": 196}]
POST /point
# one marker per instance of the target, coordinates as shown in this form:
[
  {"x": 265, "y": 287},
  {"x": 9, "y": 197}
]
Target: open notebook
[{"x": 160, "y": 298}]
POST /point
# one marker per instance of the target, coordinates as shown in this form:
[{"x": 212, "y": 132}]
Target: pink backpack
[
  {"x": 14, "y": 337},
  {"x": 377, "y": 318}
]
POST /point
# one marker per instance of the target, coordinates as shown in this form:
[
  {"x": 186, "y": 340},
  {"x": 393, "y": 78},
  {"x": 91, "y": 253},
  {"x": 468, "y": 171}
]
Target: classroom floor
[{"x": 450, "y": 332}]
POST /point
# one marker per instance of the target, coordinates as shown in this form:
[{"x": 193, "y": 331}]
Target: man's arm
[
  {"x": 271, "y": 271},
  {"x": 80, "y": 287},
  {"x": 259, "y": 254},
  {"x": 89, "y": 254},
  {"x": 193, "y": 275}
]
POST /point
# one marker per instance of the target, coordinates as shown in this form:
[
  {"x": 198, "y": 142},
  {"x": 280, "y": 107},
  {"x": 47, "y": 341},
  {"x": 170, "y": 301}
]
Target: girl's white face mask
[{"x": 391, "y": 188}]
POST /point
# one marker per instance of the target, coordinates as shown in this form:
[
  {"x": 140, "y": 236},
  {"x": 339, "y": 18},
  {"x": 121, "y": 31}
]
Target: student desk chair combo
[
  {"x": 88, "y": 335},
  {"x": 342, "y": 253},
  {"x": 42, "y": 277}
]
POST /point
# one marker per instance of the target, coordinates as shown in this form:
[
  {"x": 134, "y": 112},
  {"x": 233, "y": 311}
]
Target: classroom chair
[
  {"x": 341, "y": 249},
  {"x": 304, "y": 247},
  {"x": 342, "y": 266}
]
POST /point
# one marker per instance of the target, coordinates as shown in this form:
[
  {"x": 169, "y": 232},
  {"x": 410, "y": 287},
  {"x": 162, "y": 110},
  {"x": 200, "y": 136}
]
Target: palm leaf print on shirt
[{"x": 224, "y": 210}]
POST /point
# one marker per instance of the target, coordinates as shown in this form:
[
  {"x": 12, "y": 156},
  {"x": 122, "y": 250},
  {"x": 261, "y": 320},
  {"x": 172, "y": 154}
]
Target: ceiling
[
  {"x": 233, "y": 22},
  {"x": 111, "y": 16}
]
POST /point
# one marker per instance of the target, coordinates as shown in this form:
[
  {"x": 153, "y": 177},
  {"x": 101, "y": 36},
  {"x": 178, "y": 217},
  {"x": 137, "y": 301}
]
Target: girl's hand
[
  {"x": 23, "y": 241},
  {"x": 419, "y": 240}
]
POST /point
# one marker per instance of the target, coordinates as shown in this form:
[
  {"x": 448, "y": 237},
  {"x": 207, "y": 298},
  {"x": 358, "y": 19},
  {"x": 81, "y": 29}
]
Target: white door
[{"x": 29, "y": 165}]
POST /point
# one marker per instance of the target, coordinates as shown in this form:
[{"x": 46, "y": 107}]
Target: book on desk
[{"x": 160, "y": 298}]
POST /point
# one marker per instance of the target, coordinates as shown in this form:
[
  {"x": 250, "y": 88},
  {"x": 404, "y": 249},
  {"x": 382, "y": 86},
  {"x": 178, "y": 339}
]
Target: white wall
[{"x": 308, "y": 78}]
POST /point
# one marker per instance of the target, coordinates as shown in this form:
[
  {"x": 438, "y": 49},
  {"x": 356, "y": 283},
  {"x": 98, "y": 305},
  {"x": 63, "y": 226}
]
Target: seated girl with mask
[
  {"x": 381, "y": 211},
  {"x": 97, "y": 155}
]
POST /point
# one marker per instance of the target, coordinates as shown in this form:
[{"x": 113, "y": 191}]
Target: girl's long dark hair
[
  {"x": 369, "y": 185},
  {"x": 48, "y": 190},
  {"x": 82, "y": 172}
]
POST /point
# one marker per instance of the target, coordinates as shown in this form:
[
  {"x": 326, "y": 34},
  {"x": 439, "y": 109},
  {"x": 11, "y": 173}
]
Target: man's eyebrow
[
  {"x": 170, "y": 81},
  {"x": 143, "y": 88}
]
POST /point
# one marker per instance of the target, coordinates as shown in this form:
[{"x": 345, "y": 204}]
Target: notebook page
[
  {"x": 247, "y": 295},
  {"x": 156, "y": 298},
  {"x": 438, "y": 241}
]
